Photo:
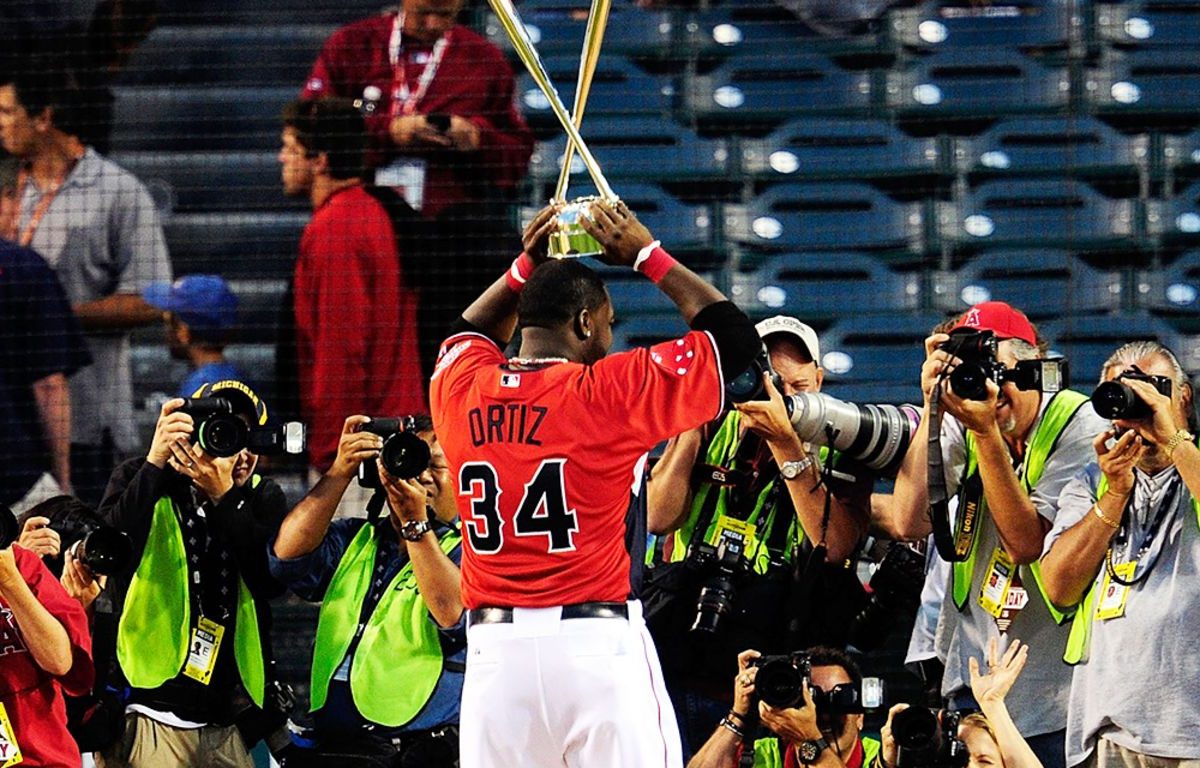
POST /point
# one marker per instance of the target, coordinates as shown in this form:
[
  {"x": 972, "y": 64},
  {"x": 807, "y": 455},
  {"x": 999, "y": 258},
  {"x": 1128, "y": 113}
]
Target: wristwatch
[
  {"x": 790, "y": 470},
  {"x": 810, "y": 751},
  {"x": 413, "y": 530}
]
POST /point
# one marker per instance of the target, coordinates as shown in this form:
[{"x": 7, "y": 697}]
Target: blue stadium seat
[
  {"x": 984, "y": 83},
  {"x": 236, "y": 245},
  {"x": 1040, "y": 214},
  {"x": 1088, "y": 341},
  {"x": 1052, "y": 147},
  {"x": 212, "y": 181},
  {"x": 762, "y": 88},
  {"x": 837, "y": 216},
  {"x": 1146, "y": 85},
  {"x": 842, "y": 149},
  {"x": 1176, "y": 157},
  {"x": 645, "y": 330},
  {"x": 1154, "y": 23},
  {"x": 645, "y": 148},
  {"x": 618, "y": 88},
  {"x": 1173, "y": 289},
  {"x": 741, "y": 30},
  {"x": 825, "y": 286},
  {"x": 1042, "y": 282},
  {"x": 243, "y": 55},
  {"x": 947, "y": 24},
  {"x": 557, "y": 29},
  {"x": 876, "y": 348},
  {"x": 632, "y": 294},
  {"x": 217, "y": 119},
  {"x": 256, "y": 12}
]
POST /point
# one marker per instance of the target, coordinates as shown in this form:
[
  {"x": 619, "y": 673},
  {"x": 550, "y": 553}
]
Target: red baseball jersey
[{"x": 545, "y": 456}]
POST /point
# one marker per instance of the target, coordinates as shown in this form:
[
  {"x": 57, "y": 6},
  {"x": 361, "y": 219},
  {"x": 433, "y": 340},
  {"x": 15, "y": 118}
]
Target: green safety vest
[
  {"x": 722, "y": 452},
  {"x": 1080, "y": 639},
  {"x": 767, "y": 753},
  {"x": 398, "y": 661},
  {"x": 1062, "y": 408},
  {"x": 154, "y": 630}
]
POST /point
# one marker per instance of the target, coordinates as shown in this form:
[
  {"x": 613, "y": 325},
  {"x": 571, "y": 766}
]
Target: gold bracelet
[
  {"x": 1114, "y": 524},
  {"x": 1182, "y": 436}
]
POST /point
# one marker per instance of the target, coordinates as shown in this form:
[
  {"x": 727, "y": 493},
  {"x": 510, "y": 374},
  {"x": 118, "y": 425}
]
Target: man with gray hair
[{"x": 1125, "y": 554}]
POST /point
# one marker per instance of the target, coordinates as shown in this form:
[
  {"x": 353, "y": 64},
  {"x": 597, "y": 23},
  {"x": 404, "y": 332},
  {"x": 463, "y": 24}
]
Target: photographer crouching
[
  {"x": 390, "y": 648},
  {"x": 193, "y": 634}
]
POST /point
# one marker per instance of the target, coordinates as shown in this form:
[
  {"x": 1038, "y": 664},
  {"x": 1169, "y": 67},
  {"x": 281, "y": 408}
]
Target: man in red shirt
[
  {"x": 546, "y": 447},
  {"x": 445, "y": 132},
  {"x": 356, "y": 343},
  {"x": 45, "y": 650}
]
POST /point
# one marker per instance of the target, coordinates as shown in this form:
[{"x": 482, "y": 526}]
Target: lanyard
[
  {"x": 404, "y": 102},
  {"x": 1165, "y": 508},
  {"x": 44, "y": 205}
]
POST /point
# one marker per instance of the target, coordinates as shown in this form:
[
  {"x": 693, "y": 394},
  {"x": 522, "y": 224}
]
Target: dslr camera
[
  {"x": 977, "y": 351},
  {"x": 222, "y": 432},
  {"x": 895, "y": 596},
  {"x": 928, "y": 738},
  {"x": 723, "y": 566},
  {"x": 748, "y": 385},
  {"x": 780, "y": 679},
  {"x": 1117, "y": 400},
  {"x": 404, "y": 453}
]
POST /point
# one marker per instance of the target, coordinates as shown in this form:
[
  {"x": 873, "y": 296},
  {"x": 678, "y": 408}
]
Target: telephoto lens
[
  {"x": 105, "y": 551},
  {"x": 876, "y": 435}
]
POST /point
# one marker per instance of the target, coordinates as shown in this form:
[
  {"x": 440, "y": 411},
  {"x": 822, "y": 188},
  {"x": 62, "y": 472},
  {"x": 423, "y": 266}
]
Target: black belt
[{"x": 576, "y": 611}]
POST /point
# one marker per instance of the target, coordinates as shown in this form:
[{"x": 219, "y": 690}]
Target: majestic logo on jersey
[
  {"x": 677, "y": 356},
  {"x": 10, "y": 638}
]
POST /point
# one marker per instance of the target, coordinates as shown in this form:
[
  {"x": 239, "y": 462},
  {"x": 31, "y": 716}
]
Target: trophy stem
[{"x": 589, "y": 57}]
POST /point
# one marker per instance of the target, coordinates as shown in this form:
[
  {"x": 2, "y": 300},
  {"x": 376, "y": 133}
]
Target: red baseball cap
[{"x": 1000, "y": 319}]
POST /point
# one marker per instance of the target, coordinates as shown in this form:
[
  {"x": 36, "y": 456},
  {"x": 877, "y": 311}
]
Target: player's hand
[
  {"x": 536, "y": 237},
  {"x": 1161, "y": 426},
  {"x": 743, "y": 684},
  {"x": 1117, "y": 462},
  {"x": 463, "y": 134},
  {"x": 354, "y": 447},
  {"x": 768, "y": 418},
  {"x": 408, "y": 499},
  {"x": 618, "y": 231},
  {"x": 793, "y": 724},
  {"x": 38, "y": 537},
  {"x": 172, "y": 427},
  {"x": 415, "y": 130},
  {"x": 887, "y": 747},
  {"x": 212, "y": 475},
  {"x": 79, "y": 581}
]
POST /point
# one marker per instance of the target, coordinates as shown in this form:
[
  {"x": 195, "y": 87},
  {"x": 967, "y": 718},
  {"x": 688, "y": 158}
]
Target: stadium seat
[
  {"x": 198, "y": 119},
  {"x": 236, "y": 245},
  {"x": 1176, "y": 221},
  {"x": 982, "y": 83},
  {"x": 256, "y": 12},
  {"x": 1069, "y": 147},
  {"x": 1176, "y": 158},
  {"x": 557, "y": 29},
  {"x": 838, "y": 216},
  {"x": 1036, "y": 213},
  {"x": 1154, "y": 23},
  {"x": 876, "y": 348},
  {"x": 632, "y": 294},
  {"x": 638, "y": 148},
  {"x": 643, "y": 330},
  {"x": 1146, "y": 87},
  {"x": 962, "y": 24},
  {"x": 1088, "y": 341},
  {"x": 757, "y": 88},
  {"x": 749, "y": 29},
  {"x": 243, "y": 55},
  {"x": 618, "y": 88},
  {"x": 821, "y": 149},
  {"x": 825, "y": 286},
  {"x": 212, "y": 181},
  {"x": 1042, "y": 282},
  {"x": 1173, "y": 289}
]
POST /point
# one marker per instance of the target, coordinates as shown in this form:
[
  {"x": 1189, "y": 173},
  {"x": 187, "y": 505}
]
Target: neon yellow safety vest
[
  {"x": 767, "y": 753},
  {"x": 1080, "y": 639},
  {"x": 154, "y": 630},
  {"x": 1059, "y": 412},
  {"x": 398, "y": 661}
]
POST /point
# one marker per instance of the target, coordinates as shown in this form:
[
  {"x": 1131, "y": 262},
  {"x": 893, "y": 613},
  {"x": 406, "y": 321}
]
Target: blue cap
[{"x": 201, "y": 301}]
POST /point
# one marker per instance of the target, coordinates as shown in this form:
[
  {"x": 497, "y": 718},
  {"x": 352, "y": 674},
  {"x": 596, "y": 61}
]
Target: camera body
[
  {"x": 404, "y": 453},
  {"x": 722, "y": 566},
  {"x": 927, "y": 738},
  {"x": 978, "y": 349},
  {"x": 1117, "y": 400},
  {"x": 221, "y": 432},
  {"x": 895, "y": 596},
  {"x": 748, "y": 385},
  {"x": 780, "y": 679}
]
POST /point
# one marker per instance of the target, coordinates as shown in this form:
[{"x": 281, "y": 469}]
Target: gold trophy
[{"x": 570, "y": 240}]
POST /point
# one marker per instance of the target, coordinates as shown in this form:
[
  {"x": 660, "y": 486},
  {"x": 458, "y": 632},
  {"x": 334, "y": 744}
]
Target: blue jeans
[{"x": 697, "y": 715}]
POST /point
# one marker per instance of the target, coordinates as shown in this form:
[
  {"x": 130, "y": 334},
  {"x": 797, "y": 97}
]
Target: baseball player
[{"x": 546, "y": 446}]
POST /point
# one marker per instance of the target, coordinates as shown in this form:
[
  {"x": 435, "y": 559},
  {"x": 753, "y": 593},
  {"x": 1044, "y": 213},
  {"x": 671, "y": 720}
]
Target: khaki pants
[
  {"x": 150, "y": 744},
  {"x": 1109, "y": 755}
]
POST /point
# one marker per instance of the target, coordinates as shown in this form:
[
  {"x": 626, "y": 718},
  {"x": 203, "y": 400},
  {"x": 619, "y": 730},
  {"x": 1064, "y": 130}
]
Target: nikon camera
[
  {"x": 1116, "y": 400},
  {"x": 977, "y": 351},
  {"x": 221, "y": 432},
  {"x": 404, "y": 453}
]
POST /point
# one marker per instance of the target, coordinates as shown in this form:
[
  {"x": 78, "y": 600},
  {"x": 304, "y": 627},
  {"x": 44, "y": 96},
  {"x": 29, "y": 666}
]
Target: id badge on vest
[
  {"x": 407, "y": 176},
  {"x": 1002, "y": 595},
  {"x": 203, "y": 648},
  {"x": 737, "y": 531},
  {"x": 1112, "y": 594},
  {"x": 10, "y": 750}
]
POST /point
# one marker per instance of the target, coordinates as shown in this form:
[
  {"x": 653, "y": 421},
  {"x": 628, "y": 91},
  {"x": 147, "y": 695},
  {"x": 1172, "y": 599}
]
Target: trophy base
[{"x": 572, "y": 241}]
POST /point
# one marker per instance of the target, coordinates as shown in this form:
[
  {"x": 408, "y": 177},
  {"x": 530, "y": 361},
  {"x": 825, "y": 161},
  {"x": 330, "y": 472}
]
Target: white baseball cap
[{"x": 792, "y": 327}]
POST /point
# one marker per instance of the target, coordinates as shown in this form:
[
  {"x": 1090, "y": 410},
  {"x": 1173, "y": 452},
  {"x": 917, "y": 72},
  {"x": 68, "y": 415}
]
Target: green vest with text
[
  {"x": 767, "y": 753},
  {"x": 398, "y": 661},
  {"x": 154, "y": 630},
  {"x": 1059, "y": 412}
]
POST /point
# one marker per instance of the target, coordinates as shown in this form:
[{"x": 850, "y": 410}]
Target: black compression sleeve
[{"x": 737, "y": 340}]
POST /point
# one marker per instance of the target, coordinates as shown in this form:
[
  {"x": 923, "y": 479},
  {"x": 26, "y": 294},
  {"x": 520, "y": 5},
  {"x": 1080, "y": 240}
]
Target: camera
[
  {"x": 928, "y": 738},
  {"x": 404, "y": 453},
  {"x": 977, "y": 351},
  {"x": 780, "y": 679},
  {"x": 103, "y": 550},
  {"x": 1115, "y": 400},
  {"x": 895, "y": 596},
  {"x": 748, "y": 385},
  {"x": 221, "y": 432},
  {"x": 724, "y": 564},
  {"x": 876, "y": 435}
]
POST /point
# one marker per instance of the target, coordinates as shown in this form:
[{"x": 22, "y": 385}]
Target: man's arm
[
  {"x": 45, "y": 637},
  {"x": 54, "y": 411},
  {"x": 119, "y": 312},
  {"x": 1021, "y": 529},
  {"x": 669, "y": 490},
  {"x": 1076, "y": 555}
]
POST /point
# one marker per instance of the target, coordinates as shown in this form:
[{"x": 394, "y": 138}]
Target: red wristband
[
  {"x": 519, "y": 272},
  {"x": 654, "y": 262}
]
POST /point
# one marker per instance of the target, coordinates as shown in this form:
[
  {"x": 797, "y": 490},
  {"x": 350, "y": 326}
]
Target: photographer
[
  {"x": 194, "y": 628},
  {"x": 390, "y": 644},
  {"x": 1006, "y": 456},
  {"x": 821, "y": 730},
  {"x": 747, "y": 480},
  {"x": 1124, "y": 553}
]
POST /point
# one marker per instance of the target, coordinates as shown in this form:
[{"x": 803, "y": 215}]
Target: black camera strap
[{"x": 939, "y": 497}]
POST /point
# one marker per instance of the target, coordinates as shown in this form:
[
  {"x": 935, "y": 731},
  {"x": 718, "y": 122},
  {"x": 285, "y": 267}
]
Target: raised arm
[{"x": 669, "y": 490}]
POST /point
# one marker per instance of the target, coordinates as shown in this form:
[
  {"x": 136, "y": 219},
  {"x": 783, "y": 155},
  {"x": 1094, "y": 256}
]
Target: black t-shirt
[{"x": 39, "y": 336}]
